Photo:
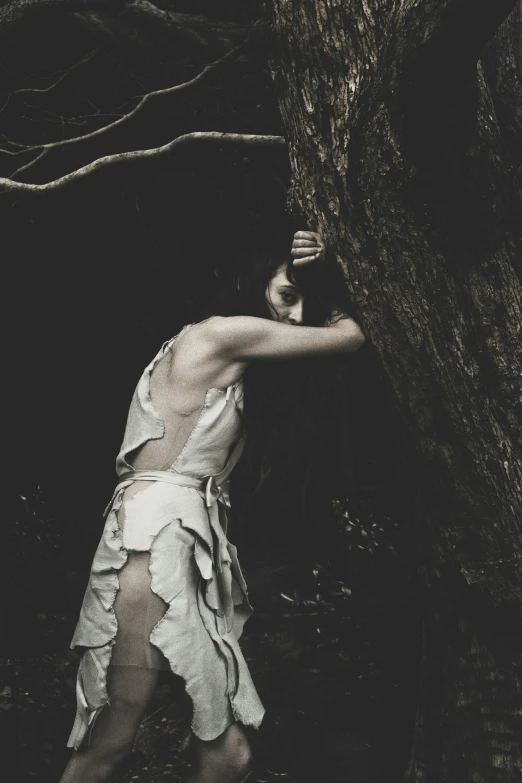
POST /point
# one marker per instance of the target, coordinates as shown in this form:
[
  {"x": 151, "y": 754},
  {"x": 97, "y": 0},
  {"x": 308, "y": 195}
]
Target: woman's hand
[{"x": 307, "y": 247}]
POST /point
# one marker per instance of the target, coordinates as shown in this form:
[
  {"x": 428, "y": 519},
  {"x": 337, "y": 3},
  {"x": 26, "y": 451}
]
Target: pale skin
[{"x": 215, "y": 354}]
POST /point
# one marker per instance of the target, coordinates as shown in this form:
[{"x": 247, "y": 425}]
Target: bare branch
[
  {"x": 18, "y": 11},
  {"x": 145, "y": 99},
  {"x": 139, "y": 155},
  {"x": 28, "y": 165},
  {"x": 134, "y": 17},
  {"x": 142, "y": 25},
  {"x": 54, "y": 84},
  {"x": 21, "y": 147},
  {"x": 122, "y": 119},
  {"x": 200, "y": 26}
]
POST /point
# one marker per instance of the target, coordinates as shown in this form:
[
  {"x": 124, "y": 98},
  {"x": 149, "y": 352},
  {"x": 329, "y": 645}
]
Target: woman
[{"x": 166, "y": 592}]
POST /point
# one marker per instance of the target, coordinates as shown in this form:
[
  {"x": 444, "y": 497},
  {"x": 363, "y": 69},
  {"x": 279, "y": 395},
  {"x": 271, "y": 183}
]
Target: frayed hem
[{"x": 205, "y": 657}]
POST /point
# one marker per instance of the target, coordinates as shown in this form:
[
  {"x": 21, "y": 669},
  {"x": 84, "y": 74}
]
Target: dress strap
[
  {"x": 211, "y": 488},
  {"x": 167, "y": 476}
]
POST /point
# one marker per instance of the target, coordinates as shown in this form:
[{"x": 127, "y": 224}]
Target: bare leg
[
  {"x": 131, "y": 682},
  {"x": 131, "y": 678},
  {"x": 227, "y": 759},
  {"x": 130, "y": 690}
]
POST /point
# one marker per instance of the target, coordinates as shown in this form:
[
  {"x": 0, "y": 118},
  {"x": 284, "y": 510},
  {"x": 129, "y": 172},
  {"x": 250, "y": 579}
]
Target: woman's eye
[{"x": 288, "y": 298}]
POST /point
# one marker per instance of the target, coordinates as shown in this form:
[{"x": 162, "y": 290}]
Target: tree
[
  {"x": 404, "y": 127},
  {"x": 405, "y": 139}
]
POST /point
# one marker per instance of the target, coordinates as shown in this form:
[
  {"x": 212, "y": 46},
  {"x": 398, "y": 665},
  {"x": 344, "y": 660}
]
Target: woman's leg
[
  {"x": 130, "y": 690},
  {"x": 131, "y": 682},
  {"x": 131, "y": 678},
  {"x": 227, "y": 759}
]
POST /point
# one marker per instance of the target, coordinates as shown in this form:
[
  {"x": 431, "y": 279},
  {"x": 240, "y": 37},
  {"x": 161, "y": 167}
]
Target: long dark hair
[{"x": 295, "y": 413}]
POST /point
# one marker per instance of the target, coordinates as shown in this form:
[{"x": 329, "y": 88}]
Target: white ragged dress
[{"x": 170, "y": 527}]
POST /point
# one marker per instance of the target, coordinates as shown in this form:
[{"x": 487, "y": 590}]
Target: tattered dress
[{"x": 172, "y": 526}]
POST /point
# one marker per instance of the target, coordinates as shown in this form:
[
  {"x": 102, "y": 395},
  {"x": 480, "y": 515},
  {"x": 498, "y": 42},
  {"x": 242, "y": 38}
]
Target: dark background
[{"x": 96, "y": 276}]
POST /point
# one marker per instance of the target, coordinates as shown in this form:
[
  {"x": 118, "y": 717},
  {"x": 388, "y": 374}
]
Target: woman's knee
[
  {"x": 239, "y": 762},
  {"x": 223, "y": 771},
  {"x": 227, "y": 759},
  {"x": 87, "y": 767}
]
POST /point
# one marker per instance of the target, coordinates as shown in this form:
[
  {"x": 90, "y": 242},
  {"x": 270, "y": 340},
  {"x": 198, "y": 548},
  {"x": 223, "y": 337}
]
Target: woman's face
[{"x": 284, "y": 299}]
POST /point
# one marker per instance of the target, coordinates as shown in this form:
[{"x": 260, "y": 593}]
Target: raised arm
[{"x": 245, "y": 338}]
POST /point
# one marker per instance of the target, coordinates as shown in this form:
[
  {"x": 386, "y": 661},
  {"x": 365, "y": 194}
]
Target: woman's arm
[{"x": 244, "y": 338}]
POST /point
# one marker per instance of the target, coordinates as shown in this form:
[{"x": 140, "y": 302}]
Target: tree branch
[
  {"x": 55, "y": 83},
  {"x": 45, "y": 148},
  {"x": 28, "y": 165},
  {"x": 156, "y": 152},
  {"x": 132, "y": 113},
  {"x": 199, "y": 26},
  {"x": 21, "y": 11},
  {"x": 132, "y": 25}
]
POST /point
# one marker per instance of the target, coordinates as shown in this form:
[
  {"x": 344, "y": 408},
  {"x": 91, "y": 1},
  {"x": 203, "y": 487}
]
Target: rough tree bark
[{"x": 406, "y": 152}]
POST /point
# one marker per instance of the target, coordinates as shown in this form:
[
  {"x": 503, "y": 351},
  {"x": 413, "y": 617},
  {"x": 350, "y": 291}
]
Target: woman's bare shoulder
[
  {"x": 194, "y": 339},
  {"x": 197, "y": 356}
]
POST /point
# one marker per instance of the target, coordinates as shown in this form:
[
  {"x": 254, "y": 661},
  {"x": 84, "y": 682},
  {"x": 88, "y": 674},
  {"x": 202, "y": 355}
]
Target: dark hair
[
  {"x": 243, "y": 290},
  {"x": 295, "y": 412}
]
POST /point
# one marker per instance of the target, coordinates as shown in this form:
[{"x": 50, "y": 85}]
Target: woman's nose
[{"x": 296, "y": 314}]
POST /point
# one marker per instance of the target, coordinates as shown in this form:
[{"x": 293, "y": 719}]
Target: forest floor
[{"x": 331, "y": 658}]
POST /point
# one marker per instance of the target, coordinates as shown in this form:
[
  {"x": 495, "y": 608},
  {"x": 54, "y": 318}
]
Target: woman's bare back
[{"x": 178, "y": 388}]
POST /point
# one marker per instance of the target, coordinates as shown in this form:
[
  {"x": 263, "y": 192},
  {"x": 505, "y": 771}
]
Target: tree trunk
[{"x": 406, "y": 152}]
